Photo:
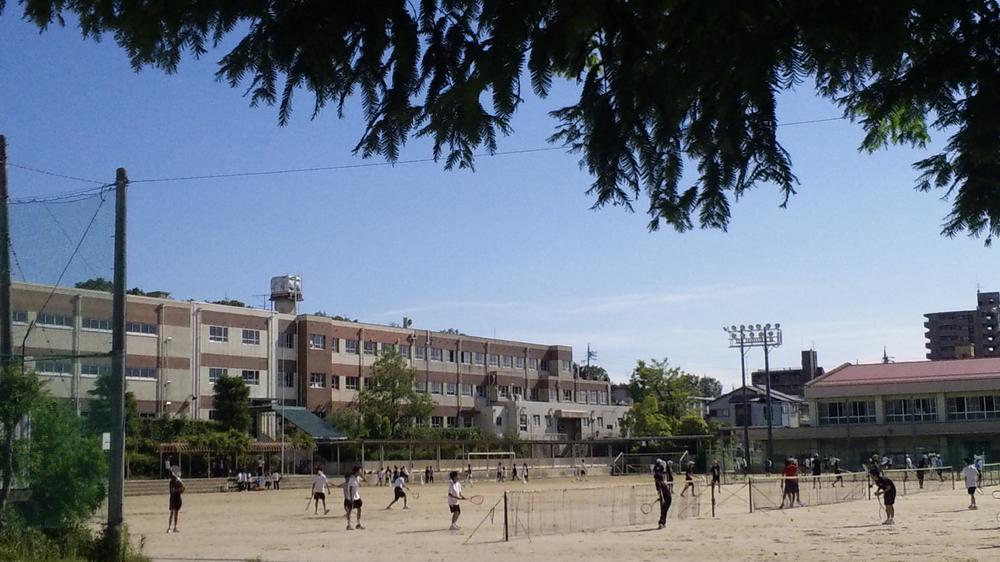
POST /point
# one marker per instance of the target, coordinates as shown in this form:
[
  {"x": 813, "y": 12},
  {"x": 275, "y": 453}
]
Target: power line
[{"x": 54, "y": 174}]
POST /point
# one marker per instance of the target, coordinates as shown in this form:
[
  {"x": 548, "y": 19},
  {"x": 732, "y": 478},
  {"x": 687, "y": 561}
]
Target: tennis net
[
  {"x": 918, "y": 480},
  {"x": 549, "y": 512},
  {"x": 771, "y": 492}
]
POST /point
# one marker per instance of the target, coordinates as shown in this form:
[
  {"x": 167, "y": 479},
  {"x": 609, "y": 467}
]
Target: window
[
  {"x": 388, "y": 347},
  {"x": 451, "y": 388},
  {"x": 533, "y": 363},
  {"x": 404, "y": 350},
  {"x": 288, "y": 379},
  {"x": 19, "y": 316},
  {"x": 466, "y": 389},
  {"x": 494, "y": 359},
  {"x": 371, "y": 348},
  {"x": 251, "y": 337},
  {"x": 317, "y": 380},
  {"x": 55, "y": 367},
  {"x": 508, "y": 361},
  {"x": 517, "y": 391},
  {"x": 48, "y": 319},
  {"x": 973, "y": 407},
  {"x": 604, "y": 397},
  {"x": 581, "y": 396},
  {"x": 213, "y": 415},
  {"x": 536, "y": 420},
  {"x": 94, "y": 369},
  {"x": 480, "y": 357},
  {"x": 317, "y": 341},
  {"x": 351, "y": 383},
  {"x": 420, "y": 386},
  {"x": 351, "y": 346},
  {"x": 335, "y": 345},
  {"x": 481, "y": 391},
  {"x": 593, "y": 397},
  {"x": 436, "y": 353},
  {"x": 420, "y": 352},
  {"x": 586, "y": 422},
  {"x": 436, "y": 387},
  {"x": 140, "y": 372},
  {"x": 519, "y": 362},
  {"x": 548, "y": 421},
  {"x": 92, "y": 323},
  {"x": 436, "y": 421},
  {"x": 251, "y": 376},
  {"x": 499, "y": 420},
  {"x": 468, "y": 420},
  {"x": 543, "y": 365},
  {"x": 215, "y": 372},
  {"x": 504, "y": 391},
  {"x": 150, "y": 329},
  {"x": 335, "y": 382},
  {"x": 452, "y": 421},
  {"x": 287, "y": 340},
  {"x": 567, "y": 395},
  {"x": 218, "y": 334},
  {"x": 523, "y": 425},
  {"x": 466, "y": 357},
  {"x": 835, "y": 413},
  {"x": 451, "y": 355},
  {"x": 910, "y": 410},
  {"x": 565, "y": 365},
  {"x": 533, "y": 394}
]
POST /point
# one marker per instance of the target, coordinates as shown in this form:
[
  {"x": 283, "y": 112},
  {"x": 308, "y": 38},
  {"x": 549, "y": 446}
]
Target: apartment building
[
  {"x": 965, "y": 333},
  {"x": 177, "y": 349},
  {"x": 946, "y": 407}
]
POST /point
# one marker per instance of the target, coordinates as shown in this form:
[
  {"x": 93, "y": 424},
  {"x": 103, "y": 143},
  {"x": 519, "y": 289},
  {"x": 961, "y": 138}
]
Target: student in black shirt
[
  {"x": 816, "y": 471},
  {"x": 660, "y": 472},
  {"x": 688, "y": 479},
  {"x": 887, "y": 489},
  {"x": 716, "y": 475}
]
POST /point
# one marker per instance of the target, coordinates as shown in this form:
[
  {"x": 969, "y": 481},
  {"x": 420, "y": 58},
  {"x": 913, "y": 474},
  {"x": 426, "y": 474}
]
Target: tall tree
[
  {"x": 99, "y": 409},
  {"x": 662, "y": 85},
  {"x": 709, "y": 386},
  {"x": 645, "y": 419},
  {"x": 672, "y": 387},
  {"x": 231, "y": 401},
  {"x": 22, "y": 392},
  {"x": 593, "y": 373},
  {"x": 388, "y": 402}
]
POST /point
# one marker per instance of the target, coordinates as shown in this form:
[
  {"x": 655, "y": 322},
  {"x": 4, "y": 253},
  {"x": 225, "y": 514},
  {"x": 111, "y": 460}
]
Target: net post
[
  {"x": 750, "y": 492},
  {"x": 868, "y": 480},
  {"x": 506, "y": 528},
  {"x": 713, "y": 500},
  {"x": 952, "y": 479}
]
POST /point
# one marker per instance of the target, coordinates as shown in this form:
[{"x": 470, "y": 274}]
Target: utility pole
[
  {"x": 6, "y": 343},
  {"x": 116, "y": 476}
]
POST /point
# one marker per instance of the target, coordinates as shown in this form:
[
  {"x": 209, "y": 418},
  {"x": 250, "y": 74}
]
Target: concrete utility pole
[
  {"x": 6, "y": 343},
  {"x": 116, "y": 474}
]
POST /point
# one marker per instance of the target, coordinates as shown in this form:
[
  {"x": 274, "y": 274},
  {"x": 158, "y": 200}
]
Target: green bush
[
  {"x": 77, "y": 543},
  {"x": 144, "y": 465}
]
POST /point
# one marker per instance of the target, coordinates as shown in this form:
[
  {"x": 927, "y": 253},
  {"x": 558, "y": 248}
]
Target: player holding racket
[
  {"x": 887, "y": 489},
  {"x": 662, "y": 490},
  {"x": 454, "y": 494}
]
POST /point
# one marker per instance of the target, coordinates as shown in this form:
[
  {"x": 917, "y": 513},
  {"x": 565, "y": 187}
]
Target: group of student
[
  {"x": 352, "y": 494},
  {"x": 246, "y": 481},
  {"x": 388, "y": 476},
  {"x": 502, "y": 472}
]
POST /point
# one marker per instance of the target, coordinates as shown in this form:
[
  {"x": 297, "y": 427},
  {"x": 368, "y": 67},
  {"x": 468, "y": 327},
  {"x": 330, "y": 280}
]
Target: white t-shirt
[
  {"x": 909, "y": 462},
  {"x": 400, "y": 482},
  {"x": 353, "y": 489},
  {"x": 319, "y": 483},
  {"x": 971, "y": 476},
  {"x": 454, "y": 492}
]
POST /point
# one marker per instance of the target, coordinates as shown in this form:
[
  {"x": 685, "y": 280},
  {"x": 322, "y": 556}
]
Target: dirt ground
[{"x": 276, "y": 526}]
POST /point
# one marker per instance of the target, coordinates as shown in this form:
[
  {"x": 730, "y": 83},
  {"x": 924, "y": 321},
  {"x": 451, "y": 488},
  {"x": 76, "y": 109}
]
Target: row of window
[
  {"x": 910, "y": 410},
  {"x": 65, "y": 367},
  {"x": 250, "y": 376},
  {"x": 319, "y": 380},
  {"x": 220, "y": 334}
]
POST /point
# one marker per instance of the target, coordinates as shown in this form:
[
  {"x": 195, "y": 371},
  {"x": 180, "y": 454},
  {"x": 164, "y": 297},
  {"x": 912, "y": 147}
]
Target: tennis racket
[
  {"x": 648, "y": 507},
  {"x": 996, "y": 494},
  {"x": 414, "y": 493},
  {"x": 475, "y": 500}
]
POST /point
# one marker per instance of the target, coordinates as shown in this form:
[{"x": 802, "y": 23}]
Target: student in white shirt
[
  {"x": 352, "y": 497},
  {"x": 276, "y": 480},
  {"x": 320, "y": 488},
  {"x": 971, "y": 476},
  {"x": 454, "y": 494},
  {"x": 399, "y": 491}
]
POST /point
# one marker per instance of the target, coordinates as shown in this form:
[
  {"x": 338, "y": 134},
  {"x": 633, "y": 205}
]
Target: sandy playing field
[{"x": 274, "y": 526}]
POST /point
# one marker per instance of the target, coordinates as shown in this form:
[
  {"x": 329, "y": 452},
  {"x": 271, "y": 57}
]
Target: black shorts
[
  {"x": 400, "y": 493},
  {"x": 791, "y": 487},
  {"x": 455, "y": 508},
  {"x": 715, "y": 479},
  {"x": 319, "y": 496},
  {"x": 348, "y": 505},
  {"x": 972, "y": 491},
  {"x": 175, "y": 502},
  {"x": 889, "y": 498}
]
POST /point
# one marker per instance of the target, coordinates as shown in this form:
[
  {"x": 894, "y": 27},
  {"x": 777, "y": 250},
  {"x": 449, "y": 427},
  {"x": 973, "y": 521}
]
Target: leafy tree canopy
[
  {"x": 231, "y": 400},
  {"x": 99, "y": 416},
  {"x": 593, "y": 373},
  {"x": 388, "y": 403},
  {"x": 22, "y": 392},
  {"x": 96, "y": 284},
  {"x": 662, "y": 85},
  {"x": 709, "y": 386},
  {"x": 136, "y": 291},
  {"x": 645, "y": 419},
  {"x": 334, "y": 316},
  {"x": 672, "y": 387},
  {"x": 692, "y": 424},
  {"x": 231, "y": 302}
]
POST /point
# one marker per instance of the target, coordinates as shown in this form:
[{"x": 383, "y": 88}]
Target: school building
[
  {"x": 177, "y": 349},
  {"x": 948, "y": 407}
]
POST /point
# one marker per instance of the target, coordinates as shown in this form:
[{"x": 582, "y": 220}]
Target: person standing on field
[
  {"x": 662, "y": 490},
  {"x": 176, "y": 489},
  {"x": 454, "y": 494},
  {"x": 320, "y": 488},
  {"x": 971, "y": 476}
]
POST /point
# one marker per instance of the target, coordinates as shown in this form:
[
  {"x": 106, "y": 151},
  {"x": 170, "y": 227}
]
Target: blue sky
[{"x": 512, "y": 249}]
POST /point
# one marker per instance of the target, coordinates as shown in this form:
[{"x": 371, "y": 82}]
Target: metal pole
[
  {"x": 767, "y": 384},
  {"x": 506, "y": 529},
  {"x": 116, "y": 473},
  {"x": 6, "y": 343},
  {"x": 746, "y": 407}
]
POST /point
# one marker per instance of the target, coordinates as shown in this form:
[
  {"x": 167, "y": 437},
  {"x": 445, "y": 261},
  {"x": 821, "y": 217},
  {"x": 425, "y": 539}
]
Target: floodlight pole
[
  {"x": 746, "y": 407},
  {"x": 742, "y": 337},
  {"x": 767, "y": 390}
]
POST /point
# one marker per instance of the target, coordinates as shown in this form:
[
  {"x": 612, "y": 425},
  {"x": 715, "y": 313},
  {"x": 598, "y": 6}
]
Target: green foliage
[
  {"x": 593, "y": 373},
  {"x": 96, "y": 284},
  {"x": 658, "y": 89},
  {"x": 21, "y": 393},
  {"x": 672, "y": 387},
  {"x": 388, "y": 402},
  {"x": 347, "y": 421},
  {"x": 231, "y": 302},
  {"x": 334, "y": 317},
  {"x": 67, "y": 468},
  {"x": 692, "y": 425},
  {"x": 423, "y": 432},
  {"x": 99, "y": 418},
  {"x": 22, "y": 542},
  {"x": 644, "y": 419},
  {"x": 232, "y": 403},
  {"x": 231, "y": 441},
  {"x": 709, "y": 386}
]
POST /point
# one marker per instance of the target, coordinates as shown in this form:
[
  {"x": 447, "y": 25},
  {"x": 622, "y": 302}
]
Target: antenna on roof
[{"x": 885, "y": 357}]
